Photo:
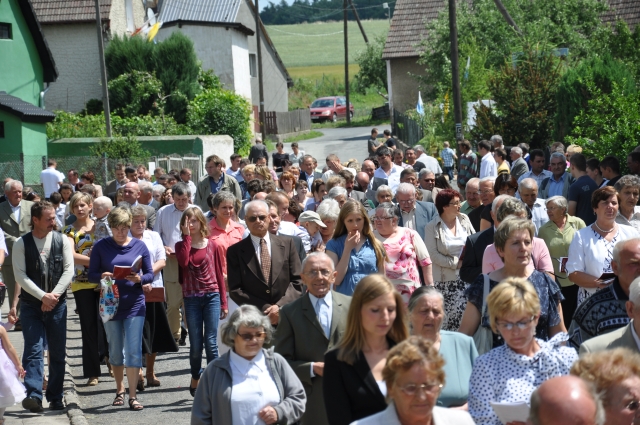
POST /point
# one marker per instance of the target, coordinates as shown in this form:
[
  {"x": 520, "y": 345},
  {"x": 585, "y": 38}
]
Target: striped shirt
[{"x": 467, "y": 168}]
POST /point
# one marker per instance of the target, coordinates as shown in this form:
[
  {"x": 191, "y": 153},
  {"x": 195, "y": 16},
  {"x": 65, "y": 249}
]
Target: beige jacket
[{"x": 445, "y": 266}]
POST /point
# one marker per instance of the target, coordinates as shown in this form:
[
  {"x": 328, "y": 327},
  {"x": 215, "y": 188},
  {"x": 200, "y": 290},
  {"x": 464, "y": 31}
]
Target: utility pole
[
  {"x": 355, "y": 12},
  {"x": 346, "y": 61},
  {"x": 455, "y": 70},
  {"x": 260, "y": 85},
  {"x": 103, "y": 72}
]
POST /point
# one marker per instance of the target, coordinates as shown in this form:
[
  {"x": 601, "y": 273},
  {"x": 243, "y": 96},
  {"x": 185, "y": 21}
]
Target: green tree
[
  {"x": 524, "y": 95},
  {"x": 120, "y": 147},
  {"x": 373, "y": 70},
  {"x": 126, "y": 54},
  {"x": 135, "y": 93},
  {"x": 222, "y": 112}
]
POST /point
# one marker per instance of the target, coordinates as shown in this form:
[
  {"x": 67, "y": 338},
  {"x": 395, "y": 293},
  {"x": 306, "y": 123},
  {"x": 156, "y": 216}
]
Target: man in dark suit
[
  {"x": 263, "y": 269},
  {"x": 131, "y": 195},
  {"x": 308, "y": 171},
  {"x": 113, "y": 185},
  {"x": 311, "y": 326},
  {"x": 146, "y": 195},
  {"x": 519, "y": 165},
  {"x": 374, "y": 183},
  {"x": 413, "y": 214},
  {"x": 259, "y": 150}
]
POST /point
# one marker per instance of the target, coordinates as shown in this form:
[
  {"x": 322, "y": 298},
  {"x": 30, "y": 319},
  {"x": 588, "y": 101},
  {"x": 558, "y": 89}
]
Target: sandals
[
  {"x": 109, "y": 367},
  {"x": 134, "y": 404},
  {"x": 151, "y": 382},
  {"x": 119, "y": 400},
  {"x": 140, "y": 386}
]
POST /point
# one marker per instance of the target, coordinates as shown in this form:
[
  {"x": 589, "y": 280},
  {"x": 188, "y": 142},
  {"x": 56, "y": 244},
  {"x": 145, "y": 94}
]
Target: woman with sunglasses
[
  {"x": 248, "y": 384},
  {"x": 511, "y": 372}
]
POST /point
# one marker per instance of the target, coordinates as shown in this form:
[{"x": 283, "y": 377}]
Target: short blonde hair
[
  {"x": 607, "y": 368},
  {"x": 119, "y": 216},
  {"x": 574, "y": 149},
  {"x": 508, "y": 226},
  {"x": 79, "y": 197},
  {"x": 249, "y": 168},
  {"x": 263, "y": 170},
  {"x": 412, "y": 351},
  {"x": 514, "y": 295},
  {"x": 197, "y": 213}
]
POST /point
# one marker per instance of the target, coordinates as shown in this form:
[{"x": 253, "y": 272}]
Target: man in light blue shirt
[
  {"x": 558, "y": 184},
  {"x": 528, "y": 189}
]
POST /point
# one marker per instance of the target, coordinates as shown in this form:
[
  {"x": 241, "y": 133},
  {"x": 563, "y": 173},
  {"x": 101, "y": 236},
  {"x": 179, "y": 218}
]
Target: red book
[{"x": 121, "y": 272}]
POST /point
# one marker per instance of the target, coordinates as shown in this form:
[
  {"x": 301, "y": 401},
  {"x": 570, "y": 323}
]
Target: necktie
[
  {"x": 265, "y": 261},
  {"x": 322, "y": 310}
]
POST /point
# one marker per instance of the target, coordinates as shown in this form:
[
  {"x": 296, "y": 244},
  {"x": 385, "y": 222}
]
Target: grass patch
[
  {"x": 319, "y": 73},
  {"x": 322, "y": 43},
  {"x": 306, "y": 136}
]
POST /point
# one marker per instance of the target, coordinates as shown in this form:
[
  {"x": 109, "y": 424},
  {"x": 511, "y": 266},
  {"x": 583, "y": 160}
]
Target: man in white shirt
[
  {"x": 74, "y": 178},
  {"x": 318, "y": 319},
  {"x": 538, "y": 173},
  {"x": 429, "y": 162},
  {"x": 234, "y": 170},
  {"x": 185, "y": 177},
  {"x": 528, "y": 189},
  {"x": 51, "y": 178},
  {"x": 488, "y": 167},
  {"x": 387, "y": 169},
  {"x": 334, "y": 165},
  {"x": 168, "y": 226}
]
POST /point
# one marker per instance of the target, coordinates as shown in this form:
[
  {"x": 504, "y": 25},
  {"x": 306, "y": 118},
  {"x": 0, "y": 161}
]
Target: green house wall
[
  {"x": 12, "y": 141},
  {"x": 157, "y": 145},
  {"x": 20, "y": 67}
]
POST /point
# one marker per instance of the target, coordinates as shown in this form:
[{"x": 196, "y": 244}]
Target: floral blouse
[
  {"x": 82, "y": 244},
  {"x": 502, "y": 375}
]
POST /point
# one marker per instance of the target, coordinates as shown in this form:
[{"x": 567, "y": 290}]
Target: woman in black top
[
  {"x": 279, "y": 156},
  {"x": 353, "y": 387}
]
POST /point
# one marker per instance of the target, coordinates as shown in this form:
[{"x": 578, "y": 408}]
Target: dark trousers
[
  {"x": 570, "y": 302},
  {"x": 36, "y": 325},
  {"x": 94, "y": 340}
]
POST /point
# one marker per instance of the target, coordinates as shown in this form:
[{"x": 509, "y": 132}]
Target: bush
[
  {"x": 69, "y": 125},
  {"x": 120, "y": 147},
  {"x": 222, "y": 112},
  {"x": 125, "y": 54},
  {"x": 176, "y": 65},
  {"x": 373, "y": 70},
  {"x": 94, "y": 107},
  {"x": 135, "y": 93}
]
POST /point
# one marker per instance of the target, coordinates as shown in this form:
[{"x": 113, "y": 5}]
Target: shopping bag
[{"x": 109, "y": 299}]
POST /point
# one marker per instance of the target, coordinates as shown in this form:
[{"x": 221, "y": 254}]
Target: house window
[
  {"x": 253, "y": 65},
  {"x": 1, "y": 129},
  {"x": 5, "y": 31}
]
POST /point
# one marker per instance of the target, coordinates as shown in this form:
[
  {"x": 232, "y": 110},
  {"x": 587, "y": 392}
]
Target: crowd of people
[{"x": 356, "y": 292}]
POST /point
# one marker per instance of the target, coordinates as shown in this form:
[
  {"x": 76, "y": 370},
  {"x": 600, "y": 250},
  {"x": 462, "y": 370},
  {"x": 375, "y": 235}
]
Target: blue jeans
[
  {"x": 125, "y": 341},
  {"x": 449, "y": 171},
  {"x": 36, "y": 325},
  {"x": 204, "y": 310}
]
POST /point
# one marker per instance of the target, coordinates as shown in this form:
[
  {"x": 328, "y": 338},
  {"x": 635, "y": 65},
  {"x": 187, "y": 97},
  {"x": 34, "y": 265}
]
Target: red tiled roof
[
  {"x": 628, "y": 10},
  {"x": 408, "y": 26},
  {"x": 70, "y": 11}
]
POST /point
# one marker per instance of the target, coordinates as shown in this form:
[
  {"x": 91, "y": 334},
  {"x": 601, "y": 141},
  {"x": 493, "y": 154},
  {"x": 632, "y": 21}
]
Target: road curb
[{"x": 71, "y": 399}]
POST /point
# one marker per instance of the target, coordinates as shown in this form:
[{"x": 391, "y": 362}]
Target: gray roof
[
  {"x": 24, "y": 110},
  {"x": 199, "y": 10}
]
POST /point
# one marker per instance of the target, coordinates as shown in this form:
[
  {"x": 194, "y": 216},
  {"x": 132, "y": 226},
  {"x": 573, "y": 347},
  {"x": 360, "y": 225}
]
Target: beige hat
[{"x": 311, "y": 216}]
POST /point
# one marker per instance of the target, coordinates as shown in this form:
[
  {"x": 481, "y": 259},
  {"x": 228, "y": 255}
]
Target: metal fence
[
  {"x": 406, "y": 129},
  {"x": 27, "y": 168},
  {"x": 287, "y": 122}
]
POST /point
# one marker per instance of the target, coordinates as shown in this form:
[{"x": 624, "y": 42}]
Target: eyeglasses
[
  {"x": 507, "y": 326},
  {"x": 485, "y": 192},
  {"x": 412, "y": 389},
  {"x": 455, "y": 204},
  {"x": 249, "y": 337},
  {"x": 323, "y": 273},
  {"x": 406, "y": 201},
  {"x": 376, "y": 218},
  {"x": 255, "y": 218},
  {"x": 633, "y": 405}
]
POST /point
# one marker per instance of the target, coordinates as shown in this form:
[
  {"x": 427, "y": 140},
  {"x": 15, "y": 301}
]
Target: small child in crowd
[
  {"x": 56, "y": 200},
  {"x": 11, "y": 389},
  {"x": 311, "y": 223},
  {"x": 101, "y": 209}
]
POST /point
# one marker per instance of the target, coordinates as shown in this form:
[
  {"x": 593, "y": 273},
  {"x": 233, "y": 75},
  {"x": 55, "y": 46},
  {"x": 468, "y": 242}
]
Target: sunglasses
[
  {"x": 249, "y": 337},
  {"x": 255, "y": 218}
]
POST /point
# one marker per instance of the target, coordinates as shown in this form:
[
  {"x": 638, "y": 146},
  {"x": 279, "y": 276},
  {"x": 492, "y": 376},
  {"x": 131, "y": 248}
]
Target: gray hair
[
  {"x": 180, "y": 189},
  {"x": 424, "y": 291},
  {"x": 138, "y": 210},
  {"x": 419, "y": 148},
  {"x": 389, "y": 209},
  {"x": 534, "y": 410},
  {"x": 491, "y": 179},
  {"x": 406, "y": 189},
  {"x": 473, "y": 180},
  {"x": 616, "y": 249},
  {"x": 382, "y": 189},
  {"x": 634, "y": 292},
  {"x": 145, "y": 187},
  {"x": 158, "y": 189},
  {"x": 528, "y": 183},
  {"x": 517, "y": 150},
  {"x": 255, "y": 203},
  {"x": 558, "y": 201},
  {"x": 328, "y": 210},
  {"x": 511, "y": 207},
  {"x": 222, "y": 196},
  {"x": 628, "y": 180},
  {"x": 424, "y": 172},
  {"x": 246, "y": 315},
  {"x": 337, "y": 191},
  {"x": 497, "y": 201},
  {"x": 496, "y": 138},
  {"x": 558, "y": 155},
  {"x": 9, "y": 185},
  {"x": 318, "y": 255}
]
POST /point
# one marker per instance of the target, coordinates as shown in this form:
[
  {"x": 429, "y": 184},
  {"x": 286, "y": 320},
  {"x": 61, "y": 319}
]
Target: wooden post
[
  {"x": 346, "y": 60},
  {"x": 355, "y": 13},
  {"x": 505, "y": 13},
  {"x": 103, "y": 71},
  {"x": 260, "y": 76},
  {"x": 455, "y": 70}
]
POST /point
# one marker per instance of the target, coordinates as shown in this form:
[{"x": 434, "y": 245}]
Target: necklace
[{"x": 595, "y": 223}]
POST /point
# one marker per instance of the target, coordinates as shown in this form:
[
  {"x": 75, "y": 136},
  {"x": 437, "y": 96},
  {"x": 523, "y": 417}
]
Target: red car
[{"x": 330, "y": 109}]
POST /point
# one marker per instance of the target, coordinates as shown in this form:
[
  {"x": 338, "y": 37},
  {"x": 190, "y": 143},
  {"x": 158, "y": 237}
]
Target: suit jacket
[
  {"x": 427, "y": 195},
  {"x": 11, "y": 227},
  {"x": 425, "y": 212},
  {"x": 519, "y": 167},
  {"x": 297, "y": 242},
  {"x": 350, "y": 391},
  {"x": 155, "y": 204},
  {"x": 316, "y": 176},
  {"x": 620, "y": 338},
  {"x": 247, "y": 285},
  {"x": 151, "y": 215},
  {"x": 301, "y": 341},
  {"x": 203, "y": 190},
  {"x": 473, "y": 252},
  {"x": 371, "y": 193},
  {"x": 441, "y": 416}
]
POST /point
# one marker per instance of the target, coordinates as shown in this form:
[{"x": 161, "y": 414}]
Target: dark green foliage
[
  {"x": 619, "y": 42},
  {"x": 525, "y": 101},
  {"x": 222, "y": 112},
  {"x": 373, "y": 70},
  {"x": 176, "y": 65},
  {"x": 120, "y": 147},
  {"x": 208, "y": 80},
  {"x": 126, "y": 54},
  {"x": 176, "y": 105},
  {"x": 94, "y": 107},
  {"x": 135, "y": 93},
  {"x": 573, "y": 95},
  {"x": 610, "y": 125}
]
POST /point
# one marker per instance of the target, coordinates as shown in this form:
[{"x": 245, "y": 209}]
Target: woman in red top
[{"x": 203, "y": 289}]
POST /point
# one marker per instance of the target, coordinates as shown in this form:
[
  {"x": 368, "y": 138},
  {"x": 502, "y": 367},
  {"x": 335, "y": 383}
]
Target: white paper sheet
[{"x": 511, "y": 412}]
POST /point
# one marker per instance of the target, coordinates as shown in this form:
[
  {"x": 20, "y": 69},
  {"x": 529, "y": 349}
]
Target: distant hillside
[{"x": 322, "y": 10}]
